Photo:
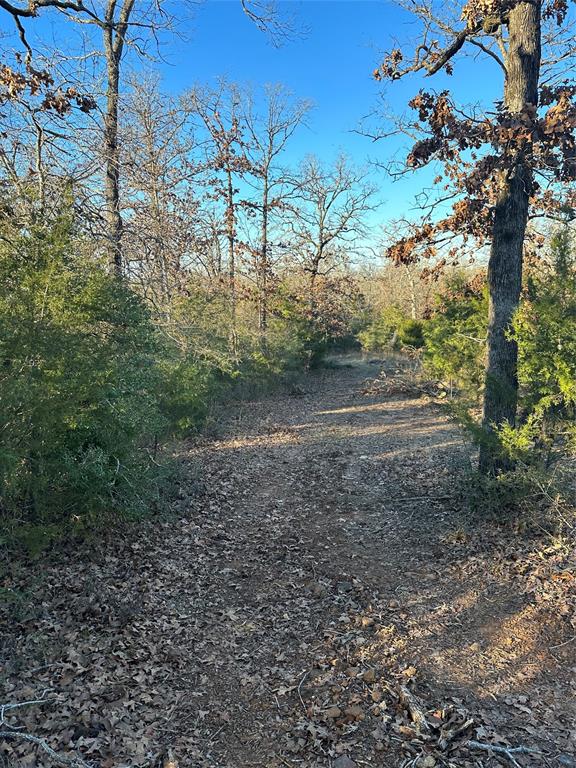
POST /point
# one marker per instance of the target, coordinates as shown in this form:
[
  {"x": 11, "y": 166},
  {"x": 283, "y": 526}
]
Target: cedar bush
[
  {"x": 545, "y": 329},
  {"x": 392, "y": 329},
  {"x": 78, "y": 389},
  {"x": 455, "y": 336},
  {"x": 538, "y": 487}
]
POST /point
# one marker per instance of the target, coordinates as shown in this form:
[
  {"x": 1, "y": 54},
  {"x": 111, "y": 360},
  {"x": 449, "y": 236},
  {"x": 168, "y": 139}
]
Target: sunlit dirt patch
[{"x": 312, "y": 592}]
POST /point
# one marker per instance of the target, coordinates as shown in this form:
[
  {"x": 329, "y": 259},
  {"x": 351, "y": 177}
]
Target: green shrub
[
  {"x": 545, "y": 330},
  {"x": 189, "y": 389},
  {"x": 322, "y": 319},
  {"x": 196, "y": 363},
  {"x": 455, "y": 336},
  {"x": 382, "y": 333},
  {"x": 392, "y": 329},
  {"x": 78, "y": 387},
  {"x": 543, "y": 327},
  {"x": 411, "y": 333}
]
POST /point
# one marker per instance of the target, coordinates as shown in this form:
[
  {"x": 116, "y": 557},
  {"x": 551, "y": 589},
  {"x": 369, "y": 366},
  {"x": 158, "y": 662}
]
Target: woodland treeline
[{"x": 159, "y": 254}]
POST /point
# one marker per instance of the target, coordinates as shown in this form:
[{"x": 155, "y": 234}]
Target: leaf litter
[{"x": 314, "y": 600}]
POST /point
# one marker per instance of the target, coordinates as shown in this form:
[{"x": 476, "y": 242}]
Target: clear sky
[{"x": 331, "y": 63}]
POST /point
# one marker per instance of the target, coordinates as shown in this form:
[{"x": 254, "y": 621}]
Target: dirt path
[{"x": 317, "y": 568}]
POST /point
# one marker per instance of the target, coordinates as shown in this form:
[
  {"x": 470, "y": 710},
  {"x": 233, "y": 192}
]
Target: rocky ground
[{"x": 319, "y": 597}]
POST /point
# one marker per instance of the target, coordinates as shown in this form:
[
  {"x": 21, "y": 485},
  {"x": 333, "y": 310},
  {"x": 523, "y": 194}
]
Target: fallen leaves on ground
[{"x": 314, "y": 600}]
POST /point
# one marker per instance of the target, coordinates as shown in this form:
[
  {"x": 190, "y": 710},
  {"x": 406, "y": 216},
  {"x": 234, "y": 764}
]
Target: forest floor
[{"x": 319, "y": 598}]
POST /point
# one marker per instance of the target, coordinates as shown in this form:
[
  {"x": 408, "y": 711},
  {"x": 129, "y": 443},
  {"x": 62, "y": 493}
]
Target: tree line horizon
[{"x": 240, "y": 261}]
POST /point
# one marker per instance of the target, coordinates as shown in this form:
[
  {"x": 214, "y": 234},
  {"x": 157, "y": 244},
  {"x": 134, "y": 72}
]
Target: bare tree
[
  {"x": 123, "y": 24},
  {"x": 225, "y": 162},
  {"x": 114, "y": 27},
  {"x": 158, "y": 202},
  {"x": 114, "y": 22},
  {"x": 269, "y": 133},
  {"x": 331, "y": 204}
]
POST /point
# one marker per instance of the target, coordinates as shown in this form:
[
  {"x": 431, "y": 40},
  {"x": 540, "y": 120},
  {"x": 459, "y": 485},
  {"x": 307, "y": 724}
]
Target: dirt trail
[{"x": 317, "y": 565}]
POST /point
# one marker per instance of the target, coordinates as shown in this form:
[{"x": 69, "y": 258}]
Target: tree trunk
[
  {"x": 510, "y": 219},
  {"x": 231, "y": 237},
  {"x": 413, "y": 297},
  {"x": 263, "y": 270},
  {"x": 111, "y": 156}
]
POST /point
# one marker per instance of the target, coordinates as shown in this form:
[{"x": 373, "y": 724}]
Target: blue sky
[{"x": 331, "y": 64}]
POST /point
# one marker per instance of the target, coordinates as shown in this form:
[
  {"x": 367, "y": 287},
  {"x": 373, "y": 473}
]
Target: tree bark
[
  {"x": 114, "y": 33},
  {"x": 506, "y": 253},
  {"x": 231, "y": 237},
  {"x": 263, "y": 267},
  {"x": 111, "y": 157}
]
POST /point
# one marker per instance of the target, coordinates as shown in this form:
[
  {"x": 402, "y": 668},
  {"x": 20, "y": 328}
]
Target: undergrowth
[{"x": 95, "y": 383}]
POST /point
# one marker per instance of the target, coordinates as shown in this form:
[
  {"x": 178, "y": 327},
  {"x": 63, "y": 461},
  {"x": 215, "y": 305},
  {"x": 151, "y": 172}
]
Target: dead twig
[
  {"x": 74, "y": 762},
  {"x": 428, "y": 497},
  {"x": 448, "y": 735},
  {"x": 508, "y": 752},
  {"x": 566, "y": 642},
  {"x": 4, "y": 708},
  {"x": 300, "y": 684}
]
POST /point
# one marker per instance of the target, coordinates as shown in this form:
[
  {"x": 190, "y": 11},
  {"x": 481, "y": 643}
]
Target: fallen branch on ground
[
  {"x": 7, "y": 707},
  {"x": 560, "y": 645},
  {"x": 414, "y": 708},
  {"x": 403, "y": 384},
  {"x": 15, "y": 732},
  {"x": 300, "y": 684},
  {"x": 508, "y": 752},
  {"x": 448, "y": 735},
  {"x": 73, "y": 762}
]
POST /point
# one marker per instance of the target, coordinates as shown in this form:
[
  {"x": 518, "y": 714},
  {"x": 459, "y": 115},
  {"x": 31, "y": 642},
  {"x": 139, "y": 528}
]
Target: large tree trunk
[
  {"x": 510, "y": 219},
  {"x": 111, "y": 157},
  {"x": 114, "y": 38}
]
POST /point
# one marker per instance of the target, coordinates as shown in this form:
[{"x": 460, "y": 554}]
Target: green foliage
[
  {"x": 392, "y": 329},
  {"x": 381, "y": 334},
  {"x": 298, "y": 320},
  {"x": 455, "y": 336},
  {"x": 545, "y": 330},
  {"x": 195, "y": 361},
  {"x": 318, "y": 320},
  {"x": 189, "y": 388},
  {"x": 200, "y": 367},
  {"x": 78, "y": 388},
  {"x": 411, "y": 333}
]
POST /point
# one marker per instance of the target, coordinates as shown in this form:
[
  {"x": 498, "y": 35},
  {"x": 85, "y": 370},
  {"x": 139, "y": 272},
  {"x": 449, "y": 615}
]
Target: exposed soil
[{"x": 318, "y": 589}]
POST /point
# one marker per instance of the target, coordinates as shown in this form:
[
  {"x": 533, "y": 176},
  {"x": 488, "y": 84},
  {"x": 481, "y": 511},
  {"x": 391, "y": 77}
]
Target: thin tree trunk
[
  {"x": 230, "y": 234},
  {"x": 510, "y": 219},
  {"x": 160, "y": 262},
  {"x": 413, "y": 298},
  {"x": 263, "y": 270},
  {"x": 40, "y": 174}
]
